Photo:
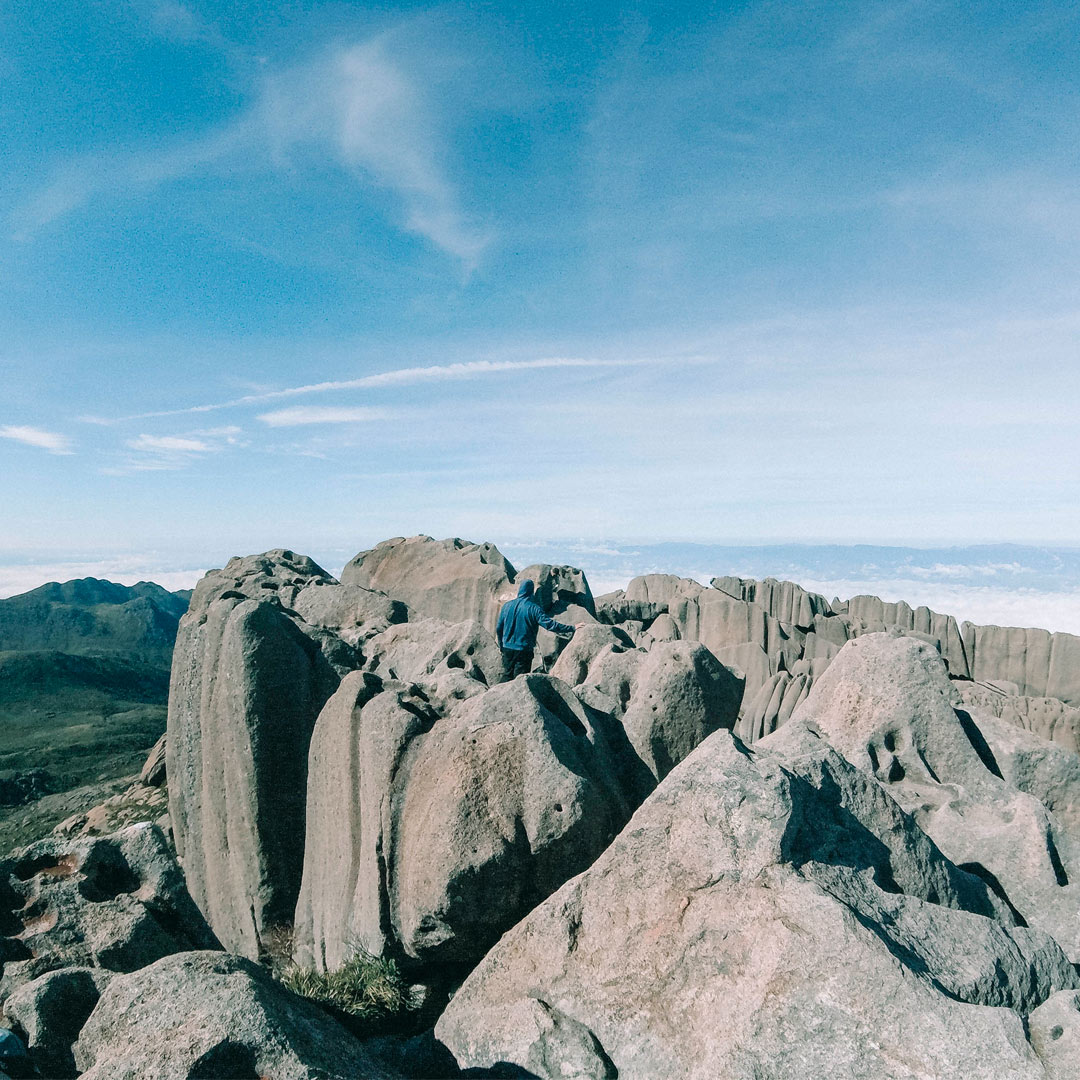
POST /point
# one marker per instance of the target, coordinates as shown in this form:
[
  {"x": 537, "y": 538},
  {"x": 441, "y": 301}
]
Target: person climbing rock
[{"x": 516, "y": 629}]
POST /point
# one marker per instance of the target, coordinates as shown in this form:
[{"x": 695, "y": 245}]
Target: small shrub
[{"x": 367, "y": 988}]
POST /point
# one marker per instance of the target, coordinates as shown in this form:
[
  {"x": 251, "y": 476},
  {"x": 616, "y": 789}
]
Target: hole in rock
[
  {"x": 558, "y": 808},
  {"x": 54, "y": 866},
  {"x": 1056, "y": 1032},
  {"x": 106, "y": 874},
  {"x": 890, "y": 741},
  {"x": 455, "y": 661}
]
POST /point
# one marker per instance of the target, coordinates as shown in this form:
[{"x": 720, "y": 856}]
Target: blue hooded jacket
[{"x": 519, "y": 619}]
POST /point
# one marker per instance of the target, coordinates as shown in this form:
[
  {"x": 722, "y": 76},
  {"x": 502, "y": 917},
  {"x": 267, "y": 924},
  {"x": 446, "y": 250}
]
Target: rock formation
[
  {"x": 887, "y": 705},
  {"x": 117, "y": 903},
  {"x": 761, "y": 915},
  {"x": 440, "y": 579},
  {"x": 737, "y": 831},
  {"x": 428, "y": 836},
  {"x": 203, "y": 1014},
  {"x": 249, "y": 678}
]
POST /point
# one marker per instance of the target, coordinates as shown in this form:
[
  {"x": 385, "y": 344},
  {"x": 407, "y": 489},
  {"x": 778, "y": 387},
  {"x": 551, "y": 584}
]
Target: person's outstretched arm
[
  {"x": 548, "y": 623},
  {"x": 499, "y": 626}
]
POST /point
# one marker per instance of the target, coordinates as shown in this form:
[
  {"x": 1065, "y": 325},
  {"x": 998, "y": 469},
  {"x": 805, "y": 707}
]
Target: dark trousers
[{"x": 516, "y": 662}]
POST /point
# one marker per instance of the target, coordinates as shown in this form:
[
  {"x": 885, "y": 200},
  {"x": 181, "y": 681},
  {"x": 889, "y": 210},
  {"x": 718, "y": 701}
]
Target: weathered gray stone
[
  {"x": 424, "y": 649},
  {"x": 428, "y": 836},
  {"x": 1040, "y": 663},
  {"x": 1047, "y": 717},
  {"x": 763, "y": 914},
  {"x": 440, "y": 579},
  {"x": 1030, "y": 763},
  {"x": 886, "y": 704},
  {"x": 783, "y": 600},
  {"x": 584, "y": 647},
  {"x": 669, "y": 699},
  {"x": 1055, "y": 1034},
  {"x": 202, "y": 1015},
  {"x": 875, "y": 615},
  {"x": 51, "y": 1010},
  {"x": 116, "y": 902},
  {"x": 249, "y": 678},
  {"x": 153, "y": 770},
  {"x": 351, "y": 612}
]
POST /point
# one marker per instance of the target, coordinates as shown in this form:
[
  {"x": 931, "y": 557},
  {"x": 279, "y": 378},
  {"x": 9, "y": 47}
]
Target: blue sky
[{"x": 309, "y": 275}]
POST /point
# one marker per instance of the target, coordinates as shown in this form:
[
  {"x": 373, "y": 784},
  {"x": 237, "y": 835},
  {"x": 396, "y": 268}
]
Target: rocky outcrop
[
  {"x": 772, "y": 706},
  {"x": 116, "y": 902},
  {"x": 886, "y": 704},
  {"x": 429, "y": 836},
  {"x": 1046, "y": 717},
  {"x": 425, "y": 649},
  {"x": 51, "y": 1011},
  {"x": 762, "y": 914},
  {"x": 562, "y": 591},
  {"x": 669, "y": 699},
  {"x": 1031, "y": 764},
  {"x": 201, "y": 1014},
  {"x": 1041, "y": 664},
  {"x": 152, "y": 773},
  {"x": 869, "y": 615},
  {"x": 249, "y": 678},
  {"x": 783, "y": 600},
  {"x": 449, "y": 579}
]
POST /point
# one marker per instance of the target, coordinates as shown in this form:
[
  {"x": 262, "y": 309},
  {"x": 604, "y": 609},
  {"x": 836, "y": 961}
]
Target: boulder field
[{"x": 730, "y": 830}]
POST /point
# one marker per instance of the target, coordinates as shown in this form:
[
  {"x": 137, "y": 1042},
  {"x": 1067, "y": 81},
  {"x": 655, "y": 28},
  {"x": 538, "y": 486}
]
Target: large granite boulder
[
  {"x": 451, "y": 579},
  {"x": 51, "y": 1011},
  {"x": 116, "y": 902},
  {"x": 425, "y": 649},
  {"x": 669, "y": 699},
  {"x": 764, "y": 914},
  {"x": 200, "y": 1015},
  {"x": 429, "y": 836},
  {"x": 248, "y": 680},
  {"x": 1047, "y": 770},
  {"x": 886, "y": 704},
  {"x": 869, "y": 614}
]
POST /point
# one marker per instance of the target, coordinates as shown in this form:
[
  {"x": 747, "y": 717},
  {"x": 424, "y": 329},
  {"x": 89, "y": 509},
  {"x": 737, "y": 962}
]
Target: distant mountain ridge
[{"x": 90, "y": 616}]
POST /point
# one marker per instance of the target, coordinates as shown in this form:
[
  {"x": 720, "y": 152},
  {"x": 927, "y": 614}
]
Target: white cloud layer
[
  {"x": 31, "y": 436},
  {"x": 314, "y": 414}
]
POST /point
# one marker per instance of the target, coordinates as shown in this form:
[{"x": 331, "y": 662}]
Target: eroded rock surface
[
  {"x": 202, "y": 1015},
  {"x": 451, "y": 580},
  {"x": 886, "y": 704},
  {"x": 248, "y": 680},
  {"x": 763, "y": 914},
  {"x": 429, "y": 836},
  {"x": 117, "y": 902}
]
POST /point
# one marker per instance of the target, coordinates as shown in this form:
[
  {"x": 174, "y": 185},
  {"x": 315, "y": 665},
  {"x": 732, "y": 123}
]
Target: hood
[{"x": 526, "y": 588}]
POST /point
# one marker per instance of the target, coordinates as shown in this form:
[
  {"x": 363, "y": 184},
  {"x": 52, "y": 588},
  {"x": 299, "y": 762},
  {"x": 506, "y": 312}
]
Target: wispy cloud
[
  {"x": 169, "y": 443},
  {"x": 409, "y": 376},
  {"x": 45, "y": 440},
  {"x": 313, "y": 414},
  {"x": 359, "y": 106},
  {"x": 167, "y": 453}
]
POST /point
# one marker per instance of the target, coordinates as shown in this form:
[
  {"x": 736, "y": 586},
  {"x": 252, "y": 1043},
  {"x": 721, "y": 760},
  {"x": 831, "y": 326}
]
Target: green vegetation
[{"x": 366, "y": 988}]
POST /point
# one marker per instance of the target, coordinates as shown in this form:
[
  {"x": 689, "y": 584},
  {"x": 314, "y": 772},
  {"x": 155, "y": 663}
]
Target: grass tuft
[{"x": 369, "y": 988}]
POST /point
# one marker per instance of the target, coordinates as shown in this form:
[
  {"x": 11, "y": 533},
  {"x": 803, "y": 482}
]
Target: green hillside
[{"x": 84, "y": 684}]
